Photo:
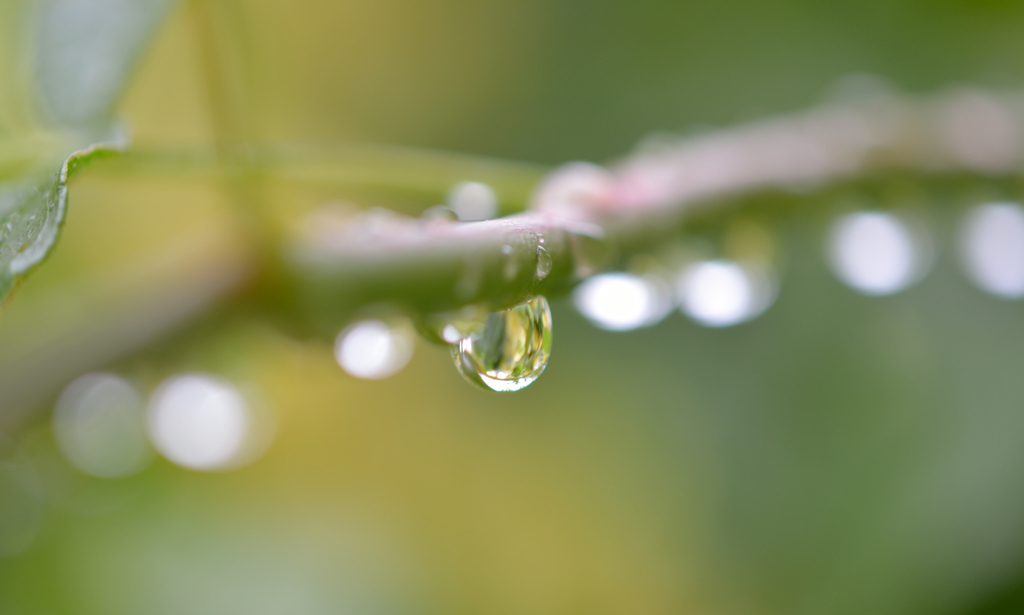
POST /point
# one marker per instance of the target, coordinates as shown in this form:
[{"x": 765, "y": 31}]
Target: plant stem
[{"x": 644, "y": 200}]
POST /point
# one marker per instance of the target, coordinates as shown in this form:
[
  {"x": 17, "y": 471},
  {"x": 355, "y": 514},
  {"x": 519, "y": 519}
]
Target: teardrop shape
[
  {"x": 511, "y": 350},
  {"x": 543, "y": 263}
]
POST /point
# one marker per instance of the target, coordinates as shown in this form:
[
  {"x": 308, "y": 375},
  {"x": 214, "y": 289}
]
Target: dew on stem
[
  {"x": 544, "y": 263},
  {"x": 510, "y": 265}
]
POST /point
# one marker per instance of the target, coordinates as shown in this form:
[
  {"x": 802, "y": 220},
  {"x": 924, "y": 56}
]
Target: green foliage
[{"x": 73, "y": 58}]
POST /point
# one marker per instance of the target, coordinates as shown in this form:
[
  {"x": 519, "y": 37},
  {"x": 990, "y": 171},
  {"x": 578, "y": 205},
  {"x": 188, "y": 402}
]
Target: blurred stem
[
  {"x": 224, "y": 69},
  {"x": 426, "y": 175},
  {"x": 347, "y": 261},
  {"x": 645, "y": 199}
]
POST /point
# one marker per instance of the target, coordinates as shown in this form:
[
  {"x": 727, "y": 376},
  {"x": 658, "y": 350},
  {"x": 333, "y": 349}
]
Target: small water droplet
[
  {"x": 511, "y": 350},
  {"x": 473, "y": 201},
  {"x": 543, "y": 263},
  {"x": 451, "y": 327},
  {"x": 590, "y": 253},
  {"x": 373, "y": 349},
  {"x": 439, "y": 212},
  {"x": 469, "y": 280},
  {"x": 510, "y": 266}
]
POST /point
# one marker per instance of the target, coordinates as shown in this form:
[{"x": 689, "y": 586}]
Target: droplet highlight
[{"x": 510, "y": 351}]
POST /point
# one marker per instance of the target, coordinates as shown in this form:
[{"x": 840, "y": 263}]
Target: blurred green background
[{"x": 840, "y": 454}]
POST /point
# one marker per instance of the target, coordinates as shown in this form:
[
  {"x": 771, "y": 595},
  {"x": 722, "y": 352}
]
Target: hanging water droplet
[
  {"x": 543, "y": 263},
  {"x": 510, "y": 351},
  {"x": 373, "y": 349},
  {"x": 724, "y": 293},
  {"x": 624, "y": 301},
  {"x": 591, "y": 251}
]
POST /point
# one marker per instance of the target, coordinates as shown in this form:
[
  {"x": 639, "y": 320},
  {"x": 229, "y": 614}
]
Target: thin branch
[
  {"x": 641, "y": 200},
  {"x": 585, "y": 214},
  {"x": 386, "y": 170}
]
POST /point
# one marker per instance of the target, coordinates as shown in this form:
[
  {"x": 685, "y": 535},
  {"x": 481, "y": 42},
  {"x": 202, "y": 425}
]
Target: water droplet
[
  {"x": 200, "y": 422},
  {"x": 469, "y": 280},
  {"x": 510, "y": 351},
  {"x": 473, "y": 201},
  {"x": 373, "y": 349},
  {"x": 543, "y": 263},
  {"x": 439, "y": 212},
  {"x": 510, "y": 266},
  {"x": 992, "y": 248},
  {"x": 591, "y": 252},
  {"x": 451, "y": 327},
  {"x": 878, "y": 253},
  {"x": 723, "y": 293},
  {"x": 99, "y": 426},
  {"x": 624, "y": 301}
]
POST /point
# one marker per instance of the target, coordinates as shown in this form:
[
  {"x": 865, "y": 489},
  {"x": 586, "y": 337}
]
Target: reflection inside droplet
[
  {"x": 473, "y": 201},
  {"x": 992, "y": 246},
  {"x": 875, "y": 253},
  {"x": 511, "y": 350},
  {"x": 721, "y": 293},
  {"x": 623, "y": 301},
  {"x": 99, "y": 426},
  {"x": 199, "y": 422},
  {"x": 373, "y": 349}
]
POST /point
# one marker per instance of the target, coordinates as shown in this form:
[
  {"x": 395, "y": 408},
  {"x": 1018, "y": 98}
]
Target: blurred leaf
[
  {"x": 85, "y": 51},
  {"x": 81, "y": 52},
  {"x": 31, "y": 217}
]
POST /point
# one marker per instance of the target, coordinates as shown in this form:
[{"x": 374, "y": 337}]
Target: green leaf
[
  {"x": 31, "y": 218},
  {"x": 66, "y": 62},
  {"x": 84, "y": 52}
]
